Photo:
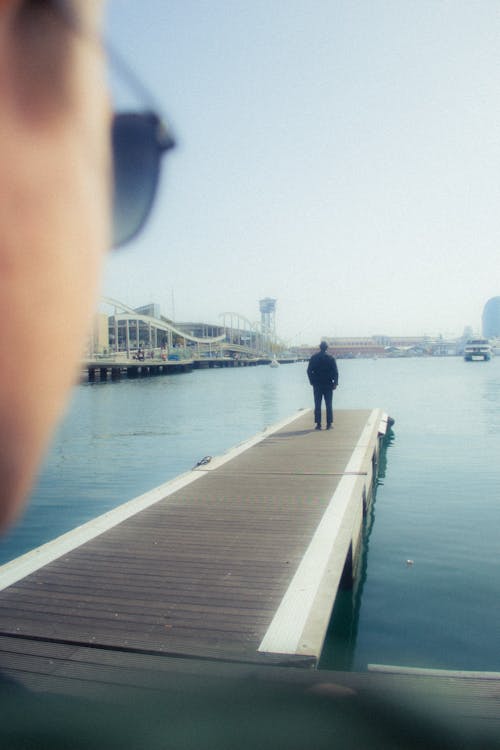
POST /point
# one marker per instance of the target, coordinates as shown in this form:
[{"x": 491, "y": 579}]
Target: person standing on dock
[{"x": 324, "y": 377}]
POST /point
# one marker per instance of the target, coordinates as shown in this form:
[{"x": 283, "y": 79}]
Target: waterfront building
[
  {"x": 127, "y": 332},
  {"x": 355, "y": 346},
  {"x": 375, "y": 346},
  {"x": 98, "y": 342},
  {"x": 491, "y": 318},
  {"x": 152, "y": 309},
  {"x": 201, "y": 330},
  {"x": 350, "y": 347}
]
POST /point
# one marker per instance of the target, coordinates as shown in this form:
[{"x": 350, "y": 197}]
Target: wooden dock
[
  {"x": 184, "y": 617},
  {"x": 239, "y": 559}
]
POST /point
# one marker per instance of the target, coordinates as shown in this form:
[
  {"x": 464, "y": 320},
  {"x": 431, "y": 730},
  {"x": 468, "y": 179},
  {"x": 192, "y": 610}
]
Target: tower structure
[
  {"x": 491, "y": 318},
  {"x": 268, "y": 321}
]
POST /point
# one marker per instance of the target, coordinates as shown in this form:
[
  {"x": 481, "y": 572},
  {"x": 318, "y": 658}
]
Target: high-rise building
[{"x": 491, "y": 318}]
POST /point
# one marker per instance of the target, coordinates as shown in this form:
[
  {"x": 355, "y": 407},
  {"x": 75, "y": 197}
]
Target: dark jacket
[{"x": 322, "y": 370}]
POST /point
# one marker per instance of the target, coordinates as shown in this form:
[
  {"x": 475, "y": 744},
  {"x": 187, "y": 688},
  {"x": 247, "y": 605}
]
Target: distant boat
[
  {"x": 274, "y": 362},
  {"x": 478, "y": 350}
]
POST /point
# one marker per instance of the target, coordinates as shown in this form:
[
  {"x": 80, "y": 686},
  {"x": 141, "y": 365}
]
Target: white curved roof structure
[{"x": 128, "y": 313}]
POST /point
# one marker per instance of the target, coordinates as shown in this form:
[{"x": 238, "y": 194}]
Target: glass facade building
[{"x": 491, "y": 318}]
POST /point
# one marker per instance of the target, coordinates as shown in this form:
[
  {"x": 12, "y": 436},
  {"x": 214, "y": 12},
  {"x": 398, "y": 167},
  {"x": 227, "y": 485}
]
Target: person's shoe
[
  {"x": 329, "y": 426},
  {"x": 318, "y": 426}
]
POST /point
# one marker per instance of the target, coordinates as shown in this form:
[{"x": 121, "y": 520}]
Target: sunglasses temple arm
[{"x": 129, "y": 77}]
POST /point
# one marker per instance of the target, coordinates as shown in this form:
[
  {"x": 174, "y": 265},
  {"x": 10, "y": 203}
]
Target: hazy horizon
[{"x": 341, "y": 157}]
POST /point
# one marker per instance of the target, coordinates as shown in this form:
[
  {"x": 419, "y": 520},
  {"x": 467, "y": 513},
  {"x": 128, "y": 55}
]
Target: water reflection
[
  {"x": 268, "y": 395},
  {"x": 491, "y": 400},
  {"x": 340, "y": 642}
]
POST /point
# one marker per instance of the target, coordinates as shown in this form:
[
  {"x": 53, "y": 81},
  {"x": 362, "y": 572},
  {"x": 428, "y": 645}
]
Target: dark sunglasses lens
[{"x": 136, "y": 158}]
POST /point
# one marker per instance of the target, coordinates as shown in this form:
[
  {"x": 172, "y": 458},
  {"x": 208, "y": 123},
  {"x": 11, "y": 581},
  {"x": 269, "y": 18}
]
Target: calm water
[{"x": 438, "y": 503}]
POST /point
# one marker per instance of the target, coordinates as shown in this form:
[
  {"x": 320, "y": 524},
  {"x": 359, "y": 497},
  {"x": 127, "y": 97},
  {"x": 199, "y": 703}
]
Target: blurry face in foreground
[{"x": 54, "y": 222}]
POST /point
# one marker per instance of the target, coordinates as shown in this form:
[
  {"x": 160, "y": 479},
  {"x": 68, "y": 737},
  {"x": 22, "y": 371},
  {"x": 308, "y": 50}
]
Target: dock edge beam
[{"x": 301, "y": 621}]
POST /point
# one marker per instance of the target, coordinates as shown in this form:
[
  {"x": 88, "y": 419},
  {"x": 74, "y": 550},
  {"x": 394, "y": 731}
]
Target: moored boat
[{"x": 478, "y": 350}]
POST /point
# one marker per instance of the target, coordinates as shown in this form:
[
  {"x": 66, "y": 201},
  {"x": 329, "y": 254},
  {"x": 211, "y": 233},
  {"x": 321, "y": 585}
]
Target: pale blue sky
[{"x": 343, "y": 157}]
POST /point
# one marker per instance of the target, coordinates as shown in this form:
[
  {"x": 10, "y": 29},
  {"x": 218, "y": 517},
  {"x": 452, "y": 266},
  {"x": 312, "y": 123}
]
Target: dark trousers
[{"x": 320, "y": 392}]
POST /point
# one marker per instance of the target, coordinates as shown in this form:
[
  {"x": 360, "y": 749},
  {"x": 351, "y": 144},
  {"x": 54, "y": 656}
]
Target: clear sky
[{"x": 342, "y": 156}]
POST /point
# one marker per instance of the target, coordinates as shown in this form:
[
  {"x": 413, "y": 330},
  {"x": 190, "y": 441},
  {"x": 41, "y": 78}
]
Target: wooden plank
[
  {"x": 177, "y": 696},
  {"x": 301, "y": 610},
  {"x": 202, "y": 570},
  {"x": 31, "y": 561}
]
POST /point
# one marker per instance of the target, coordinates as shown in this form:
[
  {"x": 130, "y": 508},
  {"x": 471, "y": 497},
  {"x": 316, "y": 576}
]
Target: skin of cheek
[{"x": 54, "y": 230}]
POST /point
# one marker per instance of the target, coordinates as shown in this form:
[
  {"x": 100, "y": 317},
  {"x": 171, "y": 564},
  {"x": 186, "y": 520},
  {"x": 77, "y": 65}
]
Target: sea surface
[{"x": 437, "y": 503}]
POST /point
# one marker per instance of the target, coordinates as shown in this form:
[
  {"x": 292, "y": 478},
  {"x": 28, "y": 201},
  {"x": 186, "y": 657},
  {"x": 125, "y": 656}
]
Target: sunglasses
[{"x": 139, "y": 140}]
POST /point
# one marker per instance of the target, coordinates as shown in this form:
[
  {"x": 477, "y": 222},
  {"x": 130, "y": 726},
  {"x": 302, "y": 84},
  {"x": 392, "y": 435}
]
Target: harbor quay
[
  {"x": 114, "y": 368},
  {"x": 142, "y": 333}
]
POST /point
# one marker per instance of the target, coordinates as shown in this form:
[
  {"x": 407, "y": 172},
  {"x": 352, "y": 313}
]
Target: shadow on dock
[{"x": 292, "y": 433}]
